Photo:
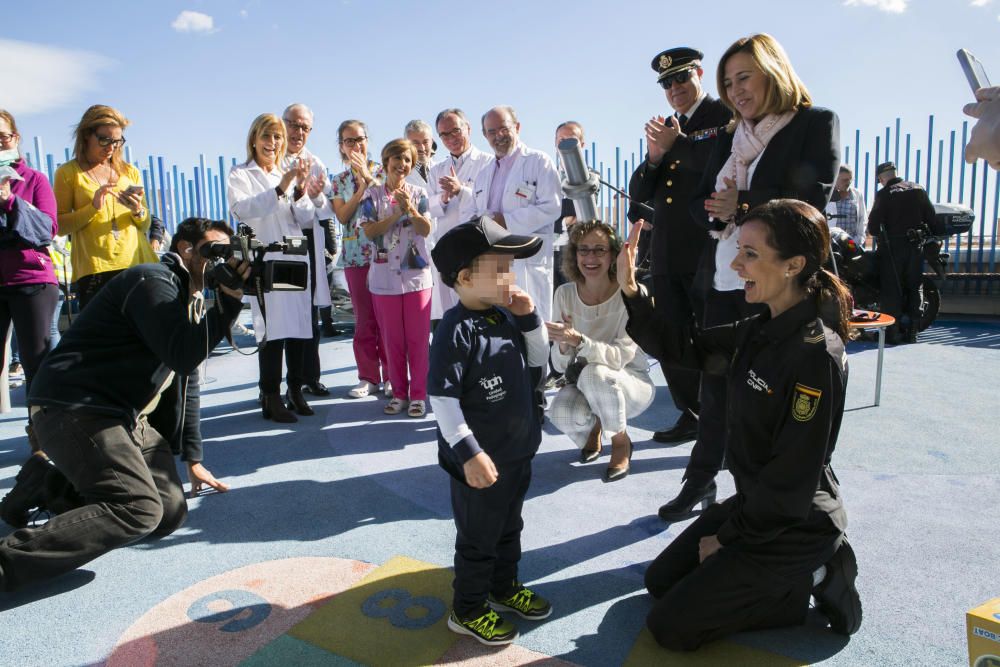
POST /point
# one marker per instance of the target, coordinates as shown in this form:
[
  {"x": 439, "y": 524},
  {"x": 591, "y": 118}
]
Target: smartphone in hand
[{"x": 974, "y": 70}]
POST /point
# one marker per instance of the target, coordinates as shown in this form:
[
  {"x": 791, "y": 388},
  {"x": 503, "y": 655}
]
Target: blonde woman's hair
[
  {"x": 785, "y": 90},
  {"x": 570, "y": 269},
  {"x": 266, "y": 121},
  {"x": 97, "y": 116},
  {"x": 398, "y": 147}
]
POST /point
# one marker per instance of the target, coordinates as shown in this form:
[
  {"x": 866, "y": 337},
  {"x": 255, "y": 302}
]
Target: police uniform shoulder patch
[{"x": 805, "y": 402}]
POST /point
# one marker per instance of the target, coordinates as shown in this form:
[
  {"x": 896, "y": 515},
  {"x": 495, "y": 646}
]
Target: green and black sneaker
[
  {"x": 524, "y": 602},
  {"x": 490, "y": 628}
]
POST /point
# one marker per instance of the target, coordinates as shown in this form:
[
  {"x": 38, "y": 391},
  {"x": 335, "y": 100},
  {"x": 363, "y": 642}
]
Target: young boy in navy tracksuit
[{"x": 486, "y": 360}]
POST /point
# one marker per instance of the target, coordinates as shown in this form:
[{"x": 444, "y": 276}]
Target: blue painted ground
[{"x": 920, "y": 474}]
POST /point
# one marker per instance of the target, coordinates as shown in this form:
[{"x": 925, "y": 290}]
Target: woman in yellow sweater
[{"x": 101, "y": 203}]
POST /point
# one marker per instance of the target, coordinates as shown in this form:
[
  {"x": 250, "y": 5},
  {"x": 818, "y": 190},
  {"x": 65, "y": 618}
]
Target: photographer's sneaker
[
  {"x": 489, "y": 628},
  {"x": 28, "y": 492},
  {"x": 524, "y": 602}
]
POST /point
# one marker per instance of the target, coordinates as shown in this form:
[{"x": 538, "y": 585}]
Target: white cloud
[
  {"x": 980, "y": 3},
  {"x": 244, "y": 13},
  {"x": 189, "y": 21},
  {"x": 39, "y": 78},
  {"x": 888, "y": 6}
]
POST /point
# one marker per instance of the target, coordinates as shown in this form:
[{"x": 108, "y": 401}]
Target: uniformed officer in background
[
  {"x": 678, "y": 150},
  {"x": 900, "y": 209}
]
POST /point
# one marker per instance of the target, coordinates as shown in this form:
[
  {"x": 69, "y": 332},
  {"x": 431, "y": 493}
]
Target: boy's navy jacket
[{"x": 480, "y": 358}]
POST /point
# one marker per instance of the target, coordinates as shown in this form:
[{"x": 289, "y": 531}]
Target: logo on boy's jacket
[
  {"x": 494, "y": 388},
  {"x": 805, "y": 402}
]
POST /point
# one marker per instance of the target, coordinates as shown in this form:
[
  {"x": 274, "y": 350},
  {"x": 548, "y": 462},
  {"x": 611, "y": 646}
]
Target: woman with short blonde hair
[{"x": 275, "y": 203}]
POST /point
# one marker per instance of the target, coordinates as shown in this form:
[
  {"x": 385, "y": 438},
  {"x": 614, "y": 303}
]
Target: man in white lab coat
[
  {"x": 521, "y": 191},
  {"x": 298, "y": 120},
  {"x": 418, "y": 133},
  {"x": 450, "y": 187}
]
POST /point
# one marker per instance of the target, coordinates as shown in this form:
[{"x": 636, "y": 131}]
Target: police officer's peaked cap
[
  {"x": 674, "y": 60},
  {"x": 458, "y": 248},
  {"x": 884, "y": 167}
]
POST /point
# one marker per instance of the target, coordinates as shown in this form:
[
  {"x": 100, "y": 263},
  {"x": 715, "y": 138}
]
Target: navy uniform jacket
[
  {"x": 480, "y": 358},
  {"x": 678, "y": 241},
  {"x": 787, "y": 378},
  {"x": 899, "y": 207}
]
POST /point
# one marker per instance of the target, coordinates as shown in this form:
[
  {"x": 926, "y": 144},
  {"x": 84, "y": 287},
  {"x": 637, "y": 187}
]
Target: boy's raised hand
[
  {"x": 520, "y": 302},
  {"x": 480, "y": 472}
]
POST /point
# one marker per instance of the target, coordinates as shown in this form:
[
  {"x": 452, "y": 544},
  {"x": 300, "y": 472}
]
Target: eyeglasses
[
  {"x": 4, "y": 138},
  {"x": 680, "y": 77},
  {"x": 505, "y": 130},
  {"x": 353, "y": 141},
  {"x": 304, "y": 129},
  {"x": 451, "y": 134},
  {"x": 599, "y": 251},
  {"x": 104, "y": 142}
]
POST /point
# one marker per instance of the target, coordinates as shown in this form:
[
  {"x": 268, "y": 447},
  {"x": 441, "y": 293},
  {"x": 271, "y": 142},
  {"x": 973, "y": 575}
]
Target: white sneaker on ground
[{"x": 364, "y": 389}]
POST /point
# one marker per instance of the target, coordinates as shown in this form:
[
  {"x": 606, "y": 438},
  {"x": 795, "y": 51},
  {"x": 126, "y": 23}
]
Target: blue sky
[{"x": 192, "y": 83}]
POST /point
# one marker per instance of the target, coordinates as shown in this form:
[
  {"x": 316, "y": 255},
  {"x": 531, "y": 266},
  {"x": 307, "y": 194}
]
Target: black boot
[
  {"x": 836, "y": 595},
  {"x": 28, "y": 492},
  {"x": 691, "y": 494},
  {"x": 297, "y": 402},
  {"x": 272, "y": 408}
]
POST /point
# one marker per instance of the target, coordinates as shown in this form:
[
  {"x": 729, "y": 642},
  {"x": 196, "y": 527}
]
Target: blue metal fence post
[
  {"x": 223, "y": 175},
  {"x": 151, "y": 200},
  {"x": 857, "y": 154},
  {"x": 906, "y": 174},
  {"x": 164, "y": 208},
  {"x": 896, "y": 160},
  {"x": 930, "y": 146}
]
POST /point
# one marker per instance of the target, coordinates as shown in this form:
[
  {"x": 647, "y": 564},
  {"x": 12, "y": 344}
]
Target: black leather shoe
[
  {"x": 272, "y": 407},
  {"x": 680, "y": 508},
  {"x": 684, "y": 430},
  {"x": 330, "y": 331},
  {"x": 316, "y": 389},
  {"x": 615, "y": 474},
  {"x": 297, "y": 402},
  {"x": 28, "y": 491},
  {"x": 836, "y": 595}
]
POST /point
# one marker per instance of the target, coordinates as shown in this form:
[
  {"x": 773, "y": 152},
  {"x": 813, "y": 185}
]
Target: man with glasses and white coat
[
  {"x": 520, "y": 191},
  {"x": 298, "y": 120},
  {"x": 449, "y": 187}
]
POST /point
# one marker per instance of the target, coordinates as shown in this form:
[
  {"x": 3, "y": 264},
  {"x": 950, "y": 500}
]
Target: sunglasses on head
[{"x": 680, "y": 77}]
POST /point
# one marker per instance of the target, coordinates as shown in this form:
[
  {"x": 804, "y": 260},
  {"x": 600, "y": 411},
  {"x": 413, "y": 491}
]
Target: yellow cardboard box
[{"x": 983, "y": 624}]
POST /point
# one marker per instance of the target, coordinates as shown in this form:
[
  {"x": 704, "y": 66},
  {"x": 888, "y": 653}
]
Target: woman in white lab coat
[{"x": 275, "y": 204}]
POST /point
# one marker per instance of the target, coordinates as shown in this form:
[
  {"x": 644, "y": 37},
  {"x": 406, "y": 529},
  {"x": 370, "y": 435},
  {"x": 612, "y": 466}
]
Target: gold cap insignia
[
  {"x": 805, "y": 402},
  {"x": 665, "y": 62}
]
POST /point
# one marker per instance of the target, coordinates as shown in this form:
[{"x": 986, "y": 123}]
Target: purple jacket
[{"x": 26, "y": 265}]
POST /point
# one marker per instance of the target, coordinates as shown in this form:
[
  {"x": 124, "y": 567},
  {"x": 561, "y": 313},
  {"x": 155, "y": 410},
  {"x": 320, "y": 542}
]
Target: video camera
[{"x": 273, "y": 275}]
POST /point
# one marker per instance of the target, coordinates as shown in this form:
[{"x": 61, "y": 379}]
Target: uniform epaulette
[{"x": 818, "y": 338}]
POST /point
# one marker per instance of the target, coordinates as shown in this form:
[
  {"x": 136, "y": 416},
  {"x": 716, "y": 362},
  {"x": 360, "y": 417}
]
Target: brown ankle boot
[{"x": 274, "y": 409}]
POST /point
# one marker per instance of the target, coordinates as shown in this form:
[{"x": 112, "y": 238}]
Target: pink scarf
[{"x": 749, "y": 141}]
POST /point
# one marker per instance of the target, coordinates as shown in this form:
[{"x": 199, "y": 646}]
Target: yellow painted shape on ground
[
  {"x": 396, "y": 615},
  {"x": 717, "y": 654}
]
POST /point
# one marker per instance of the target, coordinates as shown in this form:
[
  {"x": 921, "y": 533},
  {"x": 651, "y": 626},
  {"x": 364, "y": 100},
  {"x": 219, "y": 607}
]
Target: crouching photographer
[{"x": 124, "y": 363}]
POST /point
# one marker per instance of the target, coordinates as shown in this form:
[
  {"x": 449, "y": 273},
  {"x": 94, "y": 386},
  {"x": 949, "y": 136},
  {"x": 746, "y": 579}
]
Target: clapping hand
[
  {"x": 359, "y": 167},
  {"x": 4, "y": 190},
  {"x": 315, "y": 185},
  {"x": 661, "y": 133},
  {"x": 722, "y": 204},
  {"x": 450, "y": 185},
  {"x": 564, "y": 333}
]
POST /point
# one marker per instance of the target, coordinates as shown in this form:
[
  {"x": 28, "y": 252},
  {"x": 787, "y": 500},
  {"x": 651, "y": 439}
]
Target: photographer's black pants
[
  {"x": 127, "y": 478},
  {"x": 737, "y": 588},
  {"x": 488, "y": 541},
  {"x": 269, "y": 359},
  {"x": 675, "y": 299},
  {"x": 899, "y": 281}
]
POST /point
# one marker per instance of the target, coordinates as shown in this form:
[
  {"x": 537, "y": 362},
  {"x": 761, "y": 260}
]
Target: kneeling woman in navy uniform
[{"x": 753, "y": 561}]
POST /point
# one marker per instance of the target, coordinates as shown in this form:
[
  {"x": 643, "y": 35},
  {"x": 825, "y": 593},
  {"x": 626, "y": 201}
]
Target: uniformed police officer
[
  {"x": 900, "y": 208},
  {"x": 679, "y": 147},
  {"x": 754, "y": 560}
]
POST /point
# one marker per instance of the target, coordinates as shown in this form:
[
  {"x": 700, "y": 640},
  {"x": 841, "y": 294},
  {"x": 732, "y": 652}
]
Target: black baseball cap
[{"x": 458, "y": 248}]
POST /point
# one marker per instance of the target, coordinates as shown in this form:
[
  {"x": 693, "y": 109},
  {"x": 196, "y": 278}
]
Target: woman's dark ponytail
[{"x": 833, "y": 301}]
